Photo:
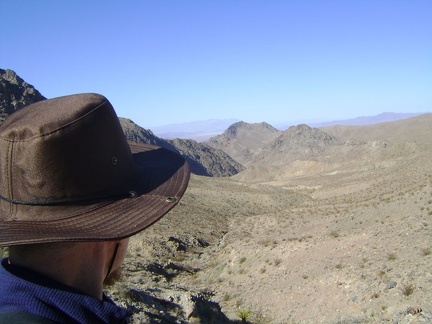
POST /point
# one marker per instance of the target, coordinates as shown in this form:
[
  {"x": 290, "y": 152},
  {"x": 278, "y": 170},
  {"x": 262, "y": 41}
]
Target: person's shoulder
[{"x": 19, "y": 317}]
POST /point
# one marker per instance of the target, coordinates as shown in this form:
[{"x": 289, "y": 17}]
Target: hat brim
[{"x": 162, "y": 179}]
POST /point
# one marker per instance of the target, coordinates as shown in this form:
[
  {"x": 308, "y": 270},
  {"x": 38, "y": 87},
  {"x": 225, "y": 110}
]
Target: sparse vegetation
[{"x": 351, "y": 229}]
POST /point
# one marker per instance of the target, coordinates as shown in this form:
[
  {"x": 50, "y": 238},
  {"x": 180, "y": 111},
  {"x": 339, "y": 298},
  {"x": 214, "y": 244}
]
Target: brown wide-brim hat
[{"x": 67, "y": 173}]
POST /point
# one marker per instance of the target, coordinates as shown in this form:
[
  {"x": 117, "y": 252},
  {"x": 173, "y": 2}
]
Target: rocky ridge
[
  {"x": 252, "y": 144},
  {"x": 203, "y": 159}
]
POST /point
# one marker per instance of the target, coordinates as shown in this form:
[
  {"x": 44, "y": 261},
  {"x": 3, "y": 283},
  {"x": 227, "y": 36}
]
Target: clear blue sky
[{"x": 169, "y": 61}]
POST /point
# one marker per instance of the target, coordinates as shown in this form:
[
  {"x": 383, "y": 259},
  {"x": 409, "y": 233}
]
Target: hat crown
[
  {"x": 67, "y": 173},
  {"x": 63, "y": 150}
]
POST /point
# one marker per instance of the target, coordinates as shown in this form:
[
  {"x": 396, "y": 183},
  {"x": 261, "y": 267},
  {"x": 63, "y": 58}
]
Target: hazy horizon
[
  {"x": 292, "y": 122},
  {"x": 205, "y": 129}
]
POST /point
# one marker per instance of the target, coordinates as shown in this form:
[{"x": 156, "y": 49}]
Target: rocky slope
[
  {"x": 136, "y": 133},
  {"x": 206, "y": 160},
  {"x": 15, "y": 93}
]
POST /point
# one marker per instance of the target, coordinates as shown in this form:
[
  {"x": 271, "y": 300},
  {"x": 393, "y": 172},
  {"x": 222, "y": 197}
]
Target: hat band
[{"x": 130, "y": 194}]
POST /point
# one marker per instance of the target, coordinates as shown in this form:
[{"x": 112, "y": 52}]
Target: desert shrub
[
  {"x": 426, "y": 251},
  {"x": 334, "y": 234},
  {"x": 244, "y": 314},
  {"x": 407, "y": 289},
  {"x": 226, "y": 297},
  {"x": 392, "y": 256}
]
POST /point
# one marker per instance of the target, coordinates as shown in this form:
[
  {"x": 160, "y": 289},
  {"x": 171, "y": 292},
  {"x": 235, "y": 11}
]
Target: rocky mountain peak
[
  {"x": 15, "y": 93},
  {"x": 235, "y": 129},
  {"x": 232, "y": 131},
  {"x": 242, "y": 140}
]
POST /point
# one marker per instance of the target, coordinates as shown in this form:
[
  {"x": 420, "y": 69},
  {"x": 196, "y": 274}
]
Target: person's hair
[{"x": 26, "y": 250}]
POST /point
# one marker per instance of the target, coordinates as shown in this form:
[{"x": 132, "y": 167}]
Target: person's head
[{"x": 69, "y": 176}]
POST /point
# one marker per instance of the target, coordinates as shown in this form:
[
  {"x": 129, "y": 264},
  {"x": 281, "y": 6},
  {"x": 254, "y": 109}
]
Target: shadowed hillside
[
  {"x": 203, "y": 160},
  {"x": 206, "y": 160}
]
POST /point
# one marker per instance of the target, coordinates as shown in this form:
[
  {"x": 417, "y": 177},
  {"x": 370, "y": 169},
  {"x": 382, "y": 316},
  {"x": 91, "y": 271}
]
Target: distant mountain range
[
  {"x": 368, "y": 120},
  {"x": 205, "y": 129}
]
